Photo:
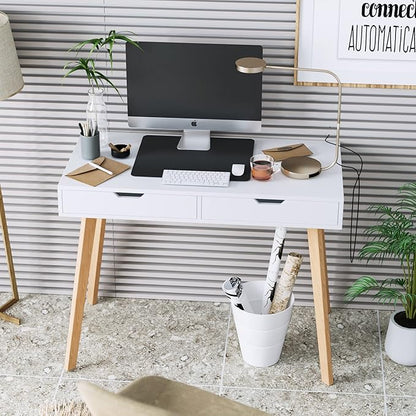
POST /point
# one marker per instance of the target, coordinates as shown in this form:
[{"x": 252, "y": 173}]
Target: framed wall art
[{"x": 366, "y": 43}]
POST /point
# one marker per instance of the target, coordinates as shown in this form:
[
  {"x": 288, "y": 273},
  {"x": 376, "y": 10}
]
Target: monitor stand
[
  {"x": 195, "y": 140},
  {"x": 157, "y": 153}
]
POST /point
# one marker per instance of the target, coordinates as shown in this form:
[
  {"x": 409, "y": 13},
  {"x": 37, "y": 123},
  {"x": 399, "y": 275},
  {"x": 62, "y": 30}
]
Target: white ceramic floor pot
[{"x": 400, "y": 342}]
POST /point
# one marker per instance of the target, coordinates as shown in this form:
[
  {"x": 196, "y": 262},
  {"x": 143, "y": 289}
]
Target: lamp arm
[{"x": 338, "y": 81}]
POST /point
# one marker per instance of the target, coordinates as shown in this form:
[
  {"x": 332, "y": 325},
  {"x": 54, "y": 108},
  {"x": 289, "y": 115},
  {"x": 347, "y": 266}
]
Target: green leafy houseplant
[
  {"x": 96, "y": 78},
  {"x": 393, "y": 237}
]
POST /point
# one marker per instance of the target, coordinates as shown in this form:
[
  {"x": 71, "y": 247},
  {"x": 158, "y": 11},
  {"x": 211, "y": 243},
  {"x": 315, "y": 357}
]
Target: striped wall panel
[{"x": 38, "y": 129}]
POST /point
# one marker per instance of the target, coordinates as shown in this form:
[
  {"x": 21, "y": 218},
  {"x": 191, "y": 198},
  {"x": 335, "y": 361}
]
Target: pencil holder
[{"x": 90, "y": 146}]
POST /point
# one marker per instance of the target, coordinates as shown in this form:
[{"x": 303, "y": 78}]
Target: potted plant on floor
[{"x": 394, "y": 237}]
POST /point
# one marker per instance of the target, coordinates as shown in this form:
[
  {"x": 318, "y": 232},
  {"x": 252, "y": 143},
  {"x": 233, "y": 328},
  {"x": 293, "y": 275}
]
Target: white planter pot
[{"x": 400, "y": 344}]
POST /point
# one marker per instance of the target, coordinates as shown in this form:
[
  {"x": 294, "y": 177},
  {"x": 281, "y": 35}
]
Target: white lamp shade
[{"x": 11, "y": 80}]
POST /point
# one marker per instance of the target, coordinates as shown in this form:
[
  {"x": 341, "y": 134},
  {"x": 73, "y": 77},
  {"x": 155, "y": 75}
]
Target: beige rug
[{"x": 65, "y": 409}]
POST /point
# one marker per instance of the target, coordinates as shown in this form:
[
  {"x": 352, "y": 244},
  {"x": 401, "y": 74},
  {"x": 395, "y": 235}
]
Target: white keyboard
[{"x": 195, "y": 177}]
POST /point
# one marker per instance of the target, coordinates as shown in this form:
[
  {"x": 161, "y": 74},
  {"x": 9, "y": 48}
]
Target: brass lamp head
[{"x": 250, "y": 65}]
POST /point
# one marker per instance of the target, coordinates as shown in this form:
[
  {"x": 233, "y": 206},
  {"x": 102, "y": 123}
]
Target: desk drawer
[
  {"x": 127, "y": 205},
  {"x": 289, "y": 213}
]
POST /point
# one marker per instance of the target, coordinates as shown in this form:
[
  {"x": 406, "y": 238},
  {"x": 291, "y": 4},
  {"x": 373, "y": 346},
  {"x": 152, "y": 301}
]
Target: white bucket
[{"x": 260, "y": 336}]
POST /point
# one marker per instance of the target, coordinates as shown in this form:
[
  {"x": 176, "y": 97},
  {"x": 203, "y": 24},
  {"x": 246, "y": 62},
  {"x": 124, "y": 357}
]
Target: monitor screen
[{"x": 180, "y": 86}]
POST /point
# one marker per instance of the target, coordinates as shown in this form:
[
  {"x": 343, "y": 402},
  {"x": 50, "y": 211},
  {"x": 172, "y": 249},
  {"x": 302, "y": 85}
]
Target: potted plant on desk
[
  {"x": 96, "y": 108},
  {"x": 394, "y": 237}
]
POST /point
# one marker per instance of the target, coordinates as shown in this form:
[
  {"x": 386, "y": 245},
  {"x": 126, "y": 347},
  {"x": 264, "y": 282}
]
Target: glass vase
[{"x": 97, "y": 114}]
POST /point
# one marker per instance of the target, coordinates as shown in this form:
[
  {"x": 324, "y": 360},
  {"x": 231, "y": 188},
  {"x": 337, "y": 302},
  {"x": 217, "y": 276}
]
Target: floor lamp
[
  {"x": 301, "y": 167},
  {"x": 11, "y": 82}
]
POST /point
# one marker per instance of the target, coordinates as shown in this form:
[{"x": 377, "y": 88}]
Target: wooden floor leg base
[
  {"x": 10, "y": 266},
  {"x": 9, "y": 318}
]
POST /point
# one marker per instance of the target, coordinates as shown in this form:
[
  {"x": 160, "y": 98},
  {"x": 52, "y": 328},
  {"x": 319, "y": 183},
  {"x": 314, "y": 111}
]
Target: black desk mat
[{"x": 157, "y": 153}]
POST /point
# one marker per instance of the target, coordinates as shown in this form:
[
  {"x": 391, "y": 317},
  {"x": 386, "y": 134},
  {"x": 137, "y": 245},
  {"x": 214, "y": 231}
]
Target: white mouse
[{"x": 237, "y": 169}]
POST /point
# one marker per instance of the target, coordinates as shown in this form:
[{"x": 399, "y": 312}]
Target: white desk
[{"x": 315, "y": 204}]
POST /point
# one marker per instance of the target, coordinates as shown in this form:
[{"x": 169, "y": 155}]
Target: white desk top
[{"x": 326, "y": 187}]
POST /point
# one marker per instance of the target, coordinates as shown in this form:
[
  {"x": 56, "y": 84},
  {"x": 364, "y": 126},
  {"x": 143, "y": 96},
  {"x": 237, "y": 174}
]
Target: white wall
[{"x": 38, "y": 129}]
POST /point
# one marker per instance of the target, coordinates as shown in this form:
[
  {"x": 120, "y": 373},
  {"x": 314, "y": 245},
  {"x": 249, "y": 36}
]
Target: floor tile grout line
[
  {"x": 340, "y": 393},
  {"x": 401, "y": 396},
  {"x": 114, "y": 254},
  {"x": 62, "y": 379},
  {"x": 98, "y": 379},
  {"x": 30, "y": 376},
  {"x": 55, "y": 393},
  {"x": 125, "y": 381},
  {"x": 225, "y": 353},
  {"x": 383, "y": 377},
  {"x": 233, "y": 387}
]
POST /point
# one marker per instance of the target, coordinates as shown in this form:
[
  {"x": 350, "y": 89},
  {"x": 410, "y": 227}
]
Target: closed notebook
[
  {"x": 93, "y": 176},
  {"x": 284, "y": 152}
]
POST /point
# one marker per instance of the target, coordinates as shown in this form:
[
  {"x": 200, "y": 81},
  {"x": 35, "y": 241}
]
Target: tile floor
[{"x": 196, "y": 343}]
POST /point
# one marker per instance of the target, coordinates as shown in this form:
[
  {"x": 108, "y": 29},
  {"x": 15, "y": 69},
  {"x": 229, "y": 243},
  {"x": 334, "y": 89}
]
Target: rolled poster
[
  {"x": 233, "y": 288},
  {"x": 273, "y": 270},
  {"x": 286, "y": 283}
]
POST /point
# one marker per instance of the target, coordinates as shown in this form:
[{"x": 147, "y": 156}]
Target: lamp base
[{"x": 301, "y": 167}]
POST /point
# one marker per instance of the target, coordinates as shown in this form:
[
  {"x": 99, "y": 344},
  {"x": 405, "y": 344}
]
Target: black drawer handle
[
  {"x": 130, "y": 194},
  {"x": 270, "y": 201}
]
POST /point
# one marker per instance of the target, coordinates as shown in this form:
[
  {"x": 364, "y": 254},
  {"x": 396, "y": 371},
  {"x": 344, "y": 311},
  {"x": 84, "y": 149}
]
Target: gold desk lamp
[
  {"x": 11, "y": 82},
  {"x": 301, "y": 167}
]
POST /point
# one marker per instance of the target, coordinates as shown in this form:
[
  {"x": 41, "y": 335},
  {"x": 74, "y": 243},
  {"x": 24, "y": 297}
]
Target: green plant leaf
[
  {"x": 389, "y": 295},
  {"x": 88, "y": 65},
  {"x": 84, "y": 64},
  {"x": 111, "y": 39},
  {"x": 394, "y": 282},
  {"x": 95, "y": 43},
  {"x": 409, "y": 303},
  {"x": 361, "y": 286},
  {"x": 126, "y": 39},
  {"x": 408, "y": 200},
  {"x": 392, "y": 237},
  {"x": 102, "y": 77}
]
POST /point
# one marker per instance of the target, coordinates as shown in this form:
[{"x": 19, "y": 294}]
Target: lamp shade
[{"x": 11, "y": 80}]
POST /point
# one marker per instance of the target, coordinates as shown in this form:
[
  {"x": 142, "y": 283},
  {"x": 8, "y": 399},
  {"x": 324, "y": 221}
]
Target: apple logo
[{"x": 194, "y": 123}]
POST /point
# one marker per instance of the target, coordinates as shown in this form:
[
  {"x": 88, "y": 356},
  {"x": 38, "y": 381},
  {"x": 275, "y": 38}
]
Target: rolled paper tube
[
  {"x": 233, "y": 288},
  {"x": 273, "y": 270},
  {"x": 286, "y": 283}
]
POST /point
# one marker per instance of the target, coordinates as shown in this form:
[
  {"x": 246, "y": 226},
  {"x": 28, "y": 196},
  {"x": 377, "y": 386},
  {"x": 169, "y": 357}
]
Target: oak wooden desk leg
[
  {"x": 83, "y": 266},
  {"x": 96, "y": 256},
  {"x": 317, "y": 254}
]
